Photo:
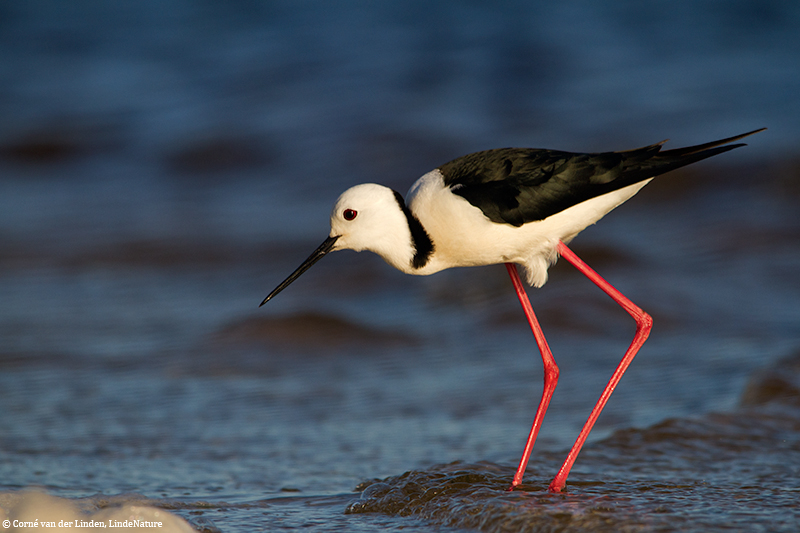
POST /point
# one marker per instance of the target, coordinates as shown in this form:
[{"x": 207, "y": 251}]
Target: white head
[
  {"x": 365, "y": 217},
  {"x": 369, "y": 217}
]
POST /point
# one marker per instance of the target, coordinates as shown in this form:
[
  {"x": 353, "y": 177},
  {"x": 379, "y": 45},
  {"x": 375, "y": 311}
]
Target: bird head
[{"x": 365, "y": 217}]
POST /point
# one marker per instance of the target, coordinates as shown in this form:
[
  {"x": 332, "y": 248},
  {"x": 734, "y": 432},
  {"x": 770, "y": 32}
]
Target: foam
[{"x": 36, "y": 511}]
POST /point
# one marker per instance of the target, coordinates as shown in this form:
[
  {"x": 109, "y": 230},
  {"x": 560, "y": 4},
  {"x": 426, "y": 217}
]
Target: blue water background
[{"x": 163, "y": 165}]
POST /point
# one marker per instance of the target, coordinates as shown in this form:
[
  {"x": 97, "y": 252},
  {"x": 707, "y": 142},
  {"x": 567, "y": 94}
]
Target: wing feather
[{"x": 520, "y": 185}]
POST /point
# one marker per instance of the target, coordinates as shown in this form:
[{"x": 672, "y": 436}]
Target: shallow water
[{"x": 163, "y": 167}]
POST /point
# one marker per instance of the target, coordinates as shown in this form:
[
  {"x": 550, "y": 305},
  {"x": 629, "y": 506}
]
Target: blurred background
[{"x": 165, "y": 164}]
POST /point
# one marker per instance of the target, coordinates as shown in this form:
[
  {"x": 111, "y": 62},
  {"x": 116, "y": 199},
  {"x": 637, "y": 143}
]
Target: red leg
[
  {"x": 643, "y": 325},
  {"x": 550, "y": 372}
]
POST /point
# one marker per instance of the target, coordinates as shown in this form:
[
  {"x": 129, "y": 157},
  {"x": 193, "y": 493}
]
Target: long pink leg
[
  {"x": 643, "y": 325},
  {"x": 550, "y": 372}
]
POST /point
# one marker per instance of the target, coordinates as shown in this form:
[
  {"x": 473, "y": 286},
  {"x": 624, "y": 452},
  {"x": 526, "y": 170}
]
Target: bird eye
[{"x": 349, "y": 214}]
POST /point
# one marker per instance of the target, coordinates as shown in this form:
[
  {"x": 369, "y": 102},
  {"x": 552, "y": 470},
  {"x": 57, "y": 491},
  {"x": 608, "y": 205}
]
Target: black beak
[{"x": 323, "y": 249}]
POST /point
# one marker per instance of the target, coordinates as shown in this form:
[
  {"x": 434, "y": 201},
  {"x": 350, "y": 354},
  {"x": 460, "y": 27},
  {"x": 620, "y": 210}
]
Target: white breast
[{"x": 463, "y": 236}]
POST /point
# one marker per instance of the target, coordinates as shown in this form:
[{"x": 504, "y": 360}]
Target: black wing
[{"x": 519, "y": 185}]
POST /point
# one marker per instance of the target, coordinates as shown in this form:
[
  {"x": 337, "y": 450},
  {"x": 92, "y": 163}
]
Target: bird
[{"x": 517, "y": 206}]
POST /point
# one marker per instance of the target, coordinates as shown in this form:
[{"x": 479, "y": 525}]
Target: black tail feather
[{"x": 690, "y": 150}]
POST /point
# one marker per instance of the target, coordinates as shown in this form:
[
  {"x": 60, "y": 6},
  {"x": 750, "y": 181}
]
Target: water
[{"x": 163, "y": 166}]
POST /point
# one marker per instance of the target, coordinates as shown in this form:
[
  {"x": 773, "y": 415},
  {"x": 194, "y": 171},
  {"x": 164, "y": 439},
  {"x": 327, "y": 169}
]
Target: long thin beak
[{"x": 323, "y": 249}]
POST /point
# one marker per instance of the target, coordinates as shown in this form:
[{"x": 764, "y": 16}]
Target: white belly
[{"x": 463, "y": 236}]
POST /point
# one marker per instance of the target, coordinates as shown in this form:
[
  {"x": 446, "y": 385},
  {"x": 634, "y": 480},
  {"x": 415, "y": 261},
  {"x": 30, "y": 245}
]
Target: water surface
[{"x": 164, "y": 166}]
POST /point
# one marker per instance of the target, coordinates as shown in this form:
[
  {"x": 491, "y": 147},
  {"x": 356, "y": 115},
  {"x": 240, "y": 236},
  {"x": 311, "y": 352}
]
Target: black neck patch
[{"x": 423, "y": 245}]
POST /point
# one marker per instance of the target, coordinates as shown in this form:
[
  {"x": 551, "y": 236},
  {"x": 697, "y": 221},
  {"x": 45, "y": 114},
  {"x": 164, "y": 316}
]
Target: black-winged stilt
[{"x": 508, "y": 205}]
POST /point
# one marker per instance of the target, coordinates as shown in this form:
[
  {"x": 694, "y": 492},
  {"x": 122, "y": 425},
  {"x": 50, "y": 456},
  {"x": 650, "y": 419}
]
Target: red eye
[{"x": 349, "y": 214}]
